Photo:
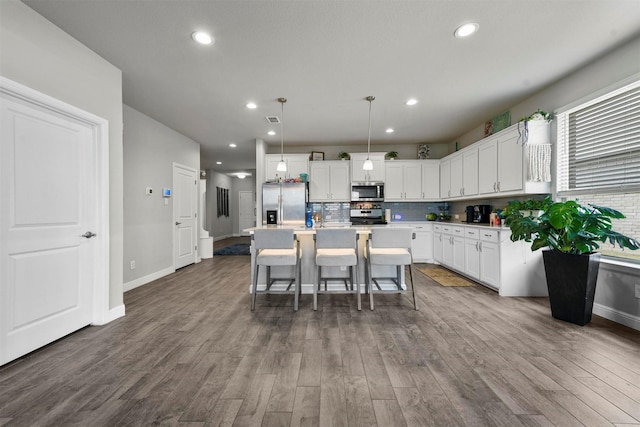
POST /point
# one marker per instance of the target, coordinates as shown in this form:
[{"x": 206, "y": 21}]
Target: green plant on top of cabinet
[{"x": 329, "y": 181}]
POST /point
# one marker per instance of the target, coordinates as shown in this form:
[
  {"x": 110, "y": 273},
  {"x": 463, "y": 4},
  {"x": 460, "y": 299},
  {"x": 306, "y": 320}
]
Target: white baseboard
[
  {"x": 146, "y": 279},
  {"x": 226, "y": 236},
  {"x": 111, "y": 315},
  {"x": 617, "y": 316}
]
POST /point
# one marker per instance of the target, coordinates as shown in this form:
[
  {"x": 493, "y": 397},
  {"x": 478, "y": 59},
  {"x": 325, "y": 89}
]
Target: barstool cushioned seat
[
  {"x": 390, "y": 247},
  {"x": 336, "y": 248},
  {"x": 276, "y": 247}
]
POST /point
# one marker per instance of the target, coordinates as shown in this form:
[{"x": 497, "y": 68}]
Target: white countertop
[{"x": 365, "y": 229}]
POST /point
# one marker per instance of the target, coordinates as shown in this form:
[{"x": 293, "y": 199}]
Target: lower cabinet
[
  {"x": 488, "y": 256},
  {"x": 422, "y": 246}
]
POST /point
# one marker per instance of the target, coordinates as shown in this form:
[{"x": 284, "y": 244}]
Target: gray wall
[
  {"x": 39, "y": 55},
  {"x": 220, "y": 227},
  {"x": 150, "y": 149}
]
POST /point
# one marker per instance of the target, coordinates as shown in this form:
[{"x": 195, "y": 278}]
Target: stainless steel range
[{"x": 366, "y": 213}]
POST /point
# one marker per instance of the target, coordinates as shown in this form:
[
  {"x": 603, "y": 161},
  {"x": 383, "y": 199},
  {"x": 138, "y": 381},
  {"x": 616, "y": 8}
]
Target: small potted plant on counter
[
  {"x": 571, "y": 234},
  {"x": 391, "y": 155},
  {"x": 343, "y": 155}
]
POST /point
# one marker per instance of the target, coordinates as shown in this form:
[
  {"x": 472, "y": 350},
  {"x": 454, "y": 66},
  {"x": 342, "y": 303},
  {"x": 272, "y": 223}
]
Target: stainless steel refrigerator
[{"x": 284, "y": 203}]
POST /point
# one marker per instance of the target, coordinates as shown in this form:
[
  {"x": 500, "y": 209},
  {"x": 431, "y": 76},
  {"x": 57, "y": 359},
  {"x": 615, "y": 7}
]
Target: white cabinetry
[
  {"x": 422, "y": 244},
  {"x": 430, "y": 179},
  {"x": 505, "y": 161},
  {"x": 462, "y": 168},
  {"x": 403, "y": 180},
  {"x": 360, "y": 175},
  {"x": 502, "y": 159},
  {"x": 489, "y": 258},
  {"x": 438, "y": 243},
  {"x": 329, "y": 181},
  {"x": 457, "y": 241},
  {"x": 472, "y": 252},
  {"x": 445, "y": 178},
  {"x": 487, "y": 255},
  {"x": 296, "y": 164}
]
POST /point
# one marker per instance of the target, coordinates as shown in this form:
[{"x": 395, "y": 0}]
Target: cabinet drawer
[
  {"x": 457, "y": 231},
  {"x": 446, "y": 229},
  {"x": 471, "y": 233},
  {"x": 437, "y": 227},
  {"x": 489, "y": 235}
]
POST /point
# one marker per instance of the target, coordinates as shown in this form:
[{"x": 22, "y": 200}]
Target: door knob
[
  {"x": 89, "y": 235},
  {"x": 178, "y": 223}
]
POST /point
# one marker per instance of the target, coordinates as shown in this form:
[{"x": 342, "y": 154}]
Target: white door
[
  {"x": 185, "y": 205},
  {"x": 247, "y": 211},
  {"x": 49, "y": 231}
]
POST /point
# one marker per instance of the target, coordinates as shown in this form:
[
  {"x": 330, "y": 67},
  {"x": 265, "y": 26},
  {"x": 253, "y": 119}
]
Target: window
[{"x": 598, "y": 157}]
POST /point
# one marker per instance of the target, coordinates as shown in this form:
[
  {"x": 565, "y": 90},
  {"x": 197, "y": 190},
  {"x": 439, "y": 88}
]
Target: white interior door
[
  {"x": 185, "y": 205},
  {"x": 48, "y": 180},
  {"x": 247, "y": 211}
]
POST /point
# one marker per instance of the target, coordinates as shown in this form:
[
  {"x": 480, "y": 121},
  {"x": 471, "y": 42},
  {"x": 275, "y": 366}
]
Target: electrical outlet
[
  {"x": 456, "y": 216},
  {"x": 637, "y": 290},
  {"x": 132, "y": 265}
]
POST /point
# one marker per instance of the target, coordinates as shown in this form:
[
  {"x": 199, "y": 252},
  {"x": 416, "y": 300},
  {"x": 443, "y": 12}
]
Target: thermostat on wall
[{"x": 166, "y": 192}]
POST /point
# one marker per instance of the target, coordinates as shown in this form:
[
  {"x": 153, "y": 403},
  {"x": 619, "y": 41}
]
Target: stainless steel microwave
[{"x": 367, "y": 191}]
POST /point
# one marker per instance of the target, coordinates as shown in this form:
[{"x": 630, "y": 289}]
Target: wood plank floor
[{"x": 190, "y": 353}]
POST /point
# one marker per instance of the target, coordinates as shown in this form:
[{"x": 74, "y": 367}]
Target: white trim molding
[{"x": 147, "y": 279}]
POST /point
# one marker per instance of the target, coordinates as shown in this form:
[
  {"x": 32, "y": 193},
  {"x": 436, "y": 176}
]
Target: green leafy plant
[
  {"x": 344, "y": 155},
  {"x": 392, "y": 155},
  {"x": 537, "y": 115},
  {"x": 568, "y": 227}
]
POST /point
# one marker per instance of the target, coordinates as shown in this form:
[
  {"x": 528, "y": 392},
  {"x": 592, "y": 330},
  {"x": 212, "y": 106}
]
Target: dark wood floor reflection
[{"x": 190, "y": 352}]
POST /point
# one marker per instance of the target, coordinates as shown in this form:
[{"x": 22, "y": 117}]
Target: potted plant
[
  {"x": 343, "y": 155},
  {"x": 391, "y": 155},
  {"x": 531, "y": 207},
  {"x": 572, "y": 233}
]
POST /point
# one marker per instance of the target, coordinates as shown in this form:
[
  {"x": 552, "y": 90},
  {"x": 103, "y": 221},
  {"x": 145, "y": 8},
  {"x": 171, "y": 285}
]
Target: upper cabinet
[
  {"x": 329, "y": 181},
  {"x": 411, "y": 180},
  {"x": 506, "y": 163},
  {"x": 296, "y": 164},
  {"x": 360, "y": 175},
  {"x": 459, "y": 176},
  {"x": 498, "y": 165}
]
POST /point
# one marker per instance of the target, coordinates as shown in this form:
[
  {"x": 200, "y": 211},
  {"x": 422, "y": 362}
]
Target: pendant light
[
  {"x": 282, "y": 166},
  {"x": 368, "y": 164}
]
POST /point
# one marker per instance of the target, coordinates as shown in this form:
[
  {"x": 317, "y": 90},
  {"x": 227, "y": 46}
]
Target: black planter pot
[{"x": 571, "y": 280}]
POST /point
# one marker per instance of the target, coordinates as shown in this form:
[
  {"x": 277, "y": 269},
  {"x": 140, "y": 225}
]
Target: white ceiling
[{"x": 326, "y": 56}]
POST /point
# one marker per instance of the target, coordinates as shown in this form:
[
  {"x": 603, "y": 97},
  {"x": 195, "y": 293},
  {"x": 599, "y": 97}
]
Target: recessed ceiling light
[
  {"x": 466, "y": 30},
  {"x": 412, "y": 101},
  {"x": 232, "y": 145},
  {"x": 390, "y": 130},
  {"x": 271, "y": 132},
  {"x": 202, "y": 37},
  {"x": 252, "y": 106},
  {"x": 218, "y": 163}
]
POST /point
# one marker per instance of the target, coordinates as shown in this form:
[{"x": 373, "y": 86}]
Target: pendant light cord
[
  {"x": 370, "y": 99},
  {"x": 282, "y": 101}
]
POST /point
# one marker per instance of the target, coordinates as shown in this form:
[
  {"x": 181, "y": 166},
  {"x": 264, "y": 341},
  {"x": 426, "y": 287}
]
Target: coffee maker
[{"x": 478, "y": 214}]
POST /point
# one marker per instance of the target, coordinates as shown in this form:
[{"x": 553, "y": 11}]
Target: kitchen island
[
  {"x": 482, "y": 253},
  {"x": 309, "y": 269}
]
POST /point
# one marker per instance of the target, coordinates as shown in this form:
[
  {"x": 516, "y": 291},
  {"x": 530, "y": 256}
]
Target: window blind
[{"x": 599, "y": 144}]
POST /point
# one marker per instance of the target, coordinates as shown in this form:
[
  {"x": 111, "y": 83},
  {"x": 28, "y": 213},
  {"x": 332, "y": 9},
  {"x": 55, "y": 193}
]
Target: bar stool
[
  {"x": 391, "y": 247},
  {"x": 335, "y": 248},
  {"x": 276, "y": 247}
]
